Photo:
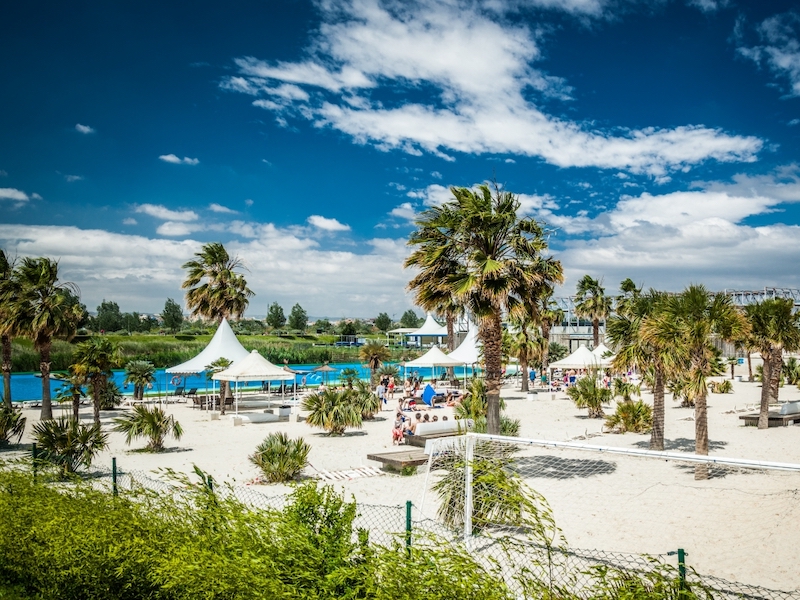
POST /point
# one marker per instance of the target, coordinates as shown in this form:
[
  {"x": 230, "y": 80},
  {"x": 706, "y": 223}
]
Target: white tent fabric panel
[
  {"x": 253, "y": 367},
  {"x": 434, "y": 358},
  {"x": 223, "y": 345},
  {"x": 467, "y": 351},
  {"x": 582, "y": 358},
  {"x": 430, "y": 327},
  {"x": 600, "y": 352}
]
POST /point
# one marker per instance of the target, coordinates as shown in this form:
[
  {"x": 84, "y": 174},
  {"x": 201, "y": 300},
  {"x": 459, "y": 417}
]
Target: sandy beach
[{"x": 741, "y": 526}]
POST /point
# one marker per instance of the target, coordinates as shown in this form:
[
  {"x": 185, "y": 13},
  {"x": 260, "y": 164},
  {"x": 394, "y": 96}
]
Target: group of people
[{"x": 405, "y": 425}]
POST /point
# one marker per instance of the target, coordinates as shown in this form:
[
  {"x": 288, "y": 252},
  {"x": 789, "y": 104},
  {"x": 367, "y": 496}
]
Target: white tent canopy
[
  {"x": 600, "y": 352},
  {"x": 223, "y": 345},
  {"x": 467, "y": 351},
  {"x": 253, "y": 367},
  {"x": 430, "y": 328},
  {"x": 582, "y": 358},
  {"x": 434, "y": 358}
]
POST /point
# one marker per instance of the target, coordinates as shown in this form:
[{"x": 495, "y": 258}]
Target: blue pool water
[{"x": 26, "y": 386}]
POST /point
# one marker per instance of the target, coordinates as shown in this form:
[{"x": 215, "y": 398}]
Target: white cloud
[
  {"x": 160, "y": 211},
  {"x": 483, "y": 72},
  {"x": 13, "y": 194},
  {"x": 140, "y": 273},
  {"x": 780, "y": 51},
  {"x": 218, "y": 208},
  {"x": 405, "y": 211},
  {"x": 436, "y": 175},
  {"x": 433, "y": 195},
  {"x": 35, "y": 196},
  {"x": 71, "y": 178},
  {"x": 708, "y": 6},
  {"x": 130, "y": 221},
  {"x": 177, "y": 228},
  {"x": 327, "y": 224},
  {"x": 175, "y": 160},
  {"x": 793, "y": 122},
  {"x": 248, "y": 202},
  {"x": 85, "y": 129}
]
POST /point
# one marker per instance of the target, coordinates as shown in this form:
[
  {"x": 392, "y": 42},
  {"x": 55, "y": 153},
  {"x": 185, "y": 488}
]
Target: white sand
[{"x": 741, "y": 527}]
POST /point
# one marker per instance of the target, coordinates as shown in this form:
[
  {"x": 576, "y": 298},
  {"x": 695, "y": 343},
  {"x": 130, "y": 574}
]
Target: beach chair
[
  {"x": 191, "y": 393},
  {"x": 178, "y": 391}
]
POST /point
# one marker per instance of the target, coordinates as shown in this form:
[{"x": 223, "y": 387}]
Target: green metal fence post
[
  {"x": 408, "y": 528},
  {"x": 34, "y": 455},
  {"x": 114, "y": 475},
  {"x": 681, "y": 565}
]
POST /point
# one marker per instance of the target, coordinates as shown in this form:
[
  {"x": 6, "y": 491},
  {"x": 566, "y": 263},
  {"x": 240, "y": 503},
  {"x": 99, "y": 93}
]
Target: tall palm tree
[
  {"x": 214, "y": 288},
  {"x": 592, "y": 303},
  {"x": 625, "y": 331},
  {"x": 8, "y": 296},
  {"x": 44, "y": 310},
  {"x": 71, "y": 389},
  {"x": 629, "y": 294},
  {"x": 374, "y": 354},
  {"x": 526, "y": 345},
  {"x": 774, "y": 327},
  {"x": 493, "y": 259},
  {"x": 550, "y": 314},
  {"x": 686, "y": 323},
  {"x": 94, "y": 360},
  {"x": 140, "y": 373}
]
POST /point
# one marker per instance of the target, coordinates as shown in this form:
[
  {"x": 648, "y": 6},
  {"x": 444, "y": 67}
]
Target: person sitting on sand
[
  {"x": 451, "y": 398},
  {"x": 411, "y": 426},
  {"x": 397, "y": 430}
]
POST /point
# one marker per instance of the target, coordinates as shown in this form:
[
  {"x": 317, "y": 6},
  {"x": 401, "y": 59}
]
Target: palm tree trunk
[
  {"x": 523, "y": 367},
  {"x": 546, "y": 349},
  {"x": 451, "y": 341},
  {"x": 701, "y": 433},
  {"x": 657, "y": 433},
  {"x": 596, "y": 332},
  {"x": 491, "y": 332},
  {"x": 775, "y": 372},
  {"x": 97, "y": 390},
  {"x": 763, "y": 416},
  {"x": 44, "y": 367},
  {"x": 223, "y": 394},
  {"x": 6, "y": 343},
  {"x": 749, "y": 367},
  {"x": 76, "y": 406}
]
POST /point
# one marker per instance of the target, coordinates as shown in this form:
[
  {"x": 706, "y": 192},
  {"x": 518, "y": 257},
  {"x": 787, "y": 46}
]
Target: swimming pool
[{"x": 27, "y": 386}]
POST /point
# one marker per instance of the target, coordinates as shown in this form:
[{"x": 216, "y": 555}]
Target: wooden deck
[
  {"x": 775, "y": 419},
  {"x": 400, "y": 460}
]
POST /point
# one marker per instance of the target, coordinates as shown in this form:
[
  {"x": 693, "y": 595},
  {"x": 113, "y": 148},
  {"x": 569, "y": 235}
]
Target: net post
[
  {"x": 469, "y": 454},
  {"x": 408, "y": 528},
  {"x": 114, "y": 475},
  {"x": 682, "y": 567}
]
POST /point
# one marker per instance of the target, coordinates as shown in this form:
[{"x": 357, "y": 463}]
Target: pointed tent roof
[
  {"x": 467, "y": 351},
  {"x": 582, "y": 358},
  {"x": 253, "y": 367},
  {"x": 434, "y": 358},
  {"x": 223, "y": 345},
  {"x": 430, "y": 327},
  {"x": 601, "y": 351}
]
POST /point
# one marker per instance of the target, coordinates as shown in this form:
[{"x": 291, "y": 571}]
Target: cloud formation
[
  {"x": 218, "y": 208},
  {"x": 780, "y": 49},
  {"x": 13, "y": 194},
  {"x": 159, "y": 211},
  {"x": 482, "y": 71},
  {"x": 71, "y": 178},
  {"x": 327, "y": 224},
  {"x": 175, "y": 160},
  {"x": 85, "y": 129}
]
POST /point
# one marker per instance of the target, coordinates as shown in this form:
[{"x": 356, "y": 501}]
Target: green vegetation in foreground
[
  {"x": 169, "y": 350},
  {"x": 78, "y": 542}
]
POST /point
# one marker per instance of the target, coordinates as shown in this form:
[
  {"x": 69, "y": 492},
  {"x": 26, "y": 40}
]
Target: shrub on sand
[
  {"x": 280, "y": 458},
  {"x": 636, "y": 417},
  {"x": 152, "y": 423},
  {"x": 69, "y": 444},
  {"x": 12, "y": 425},
  {"x": 332, "y": 410}
]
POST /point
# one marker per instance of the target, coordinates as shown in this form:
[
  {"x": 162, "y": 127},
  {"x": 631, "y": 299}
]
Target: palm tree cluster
[
  {"x": 475, "y": 253},
  {"x": 36, "y": 305}
]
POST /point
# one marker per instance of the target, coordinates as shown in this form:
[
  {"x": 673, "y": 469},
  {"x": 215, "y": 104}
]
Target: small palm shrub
[
  {"x": 474, "y": 406},
  {"x": 12, "y": 425},
  {"x": 68, "y": 443},
  {"x": 280, "y": 458},
  {"x": 721, "y": 387},
  {"x": 590, "y": 393},
  {"x": 636, "y": 417},
  {"x": 110, "y": 396},
  {"x": 152, "y": 423},
  {"x": 332, "y": 410},
  {"x": 348, "y": 376},
  {"x": 625, "y": 389},
  {"x": 366, "y": 400},
  {"x": 389, "y": 371},
  {"x": 791, "y": 369}
]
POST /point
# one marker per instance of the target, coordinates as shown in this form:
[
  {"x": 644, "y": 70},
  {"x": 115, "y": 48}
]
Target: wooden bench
[
  {"x": 400, "y": 460},
  {"x": 432, "y": 431},
  {"x": 775, "y": 419}
]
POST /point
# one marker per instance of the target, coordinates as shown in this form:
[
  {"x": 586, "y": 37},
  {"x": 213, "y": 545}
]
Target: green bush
[
  {"x": 636, "y": 417},
  {"x": 69, "y": 444},
  {"x": 151, "y": 423},
  {"x": 12, "y": 425},
  {"x": 333, "y": 410},
  {"x": 721, "y": 387},
  {"x": 280, "y": 458},
  {"x": 590, "y": 393}
]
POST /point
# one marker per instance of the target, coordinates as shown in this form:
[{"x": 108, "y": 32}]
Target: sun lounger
[{"x": 430, "y": 431}]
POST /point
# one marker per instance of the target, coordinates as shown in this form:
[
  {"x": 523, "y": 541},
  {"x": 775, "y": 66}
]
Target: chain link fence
[{"x": 530, "y": 568}]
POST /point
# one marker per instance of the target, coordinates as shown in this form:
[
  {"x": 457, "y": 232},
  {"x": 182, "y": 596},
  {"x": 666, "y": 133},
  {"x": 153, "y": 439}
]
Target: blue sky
[{"x": 659, "y": 139}]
